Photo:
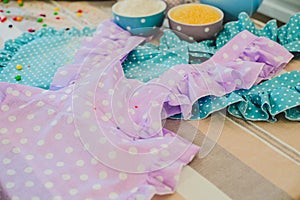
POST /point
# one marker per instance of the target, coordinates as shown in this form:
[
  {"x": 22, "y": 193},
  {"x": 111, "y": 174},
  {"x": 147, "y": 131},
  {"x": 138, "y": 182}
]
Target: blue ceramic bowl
[
  {"x": 232, "y": 8},
  {"x": 142, "y": 23}
]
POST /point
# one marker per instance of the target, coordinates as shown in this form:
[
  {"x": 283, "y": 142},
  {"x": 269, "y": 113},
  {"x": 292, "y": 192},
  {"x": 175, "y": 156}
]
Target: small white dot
[
  {"x": 4, "y": 108},
  {"x": 29, "y": 184},
  {"x": 235, "y": 47},
  {"x": 122, "y": 176},
  {"x": 103, "y": 175},
  {"x": 178, "y": 28},
  {"x": 49, "y": 185},
  {"x": 29, "y": 157},
  {"x": 113, "y": 195},
  {"x": 112, "y": 155},
  {"x": 73, "y": 192},
  {"x": 84, "y": 177},
  {"x": 40, "y": 143},
  {"x": 128, "y": 28},
  {"x": 69, "y": 150},
  {"x": 143, "y": 20},
  {"x": 96, "y": 187},
  {"x": 37, "y": 128},
  {"x": 48, "y": 172},
  {"x": 28, "y": 170},
  {"x": 58, "y": 136},
  {"x": 49, "y": 156},
  {"x": 10, "y": 172},
  {"x": 206, "y": 30},
  {"x": 132, "y": 150},
  {"x": 60, "y": 164},
  {"x": 10, "y": 185},
  {"x": 66, "y": 177},
  {"x": 12, "y": 118},
  {"x": 80, "y": 163}
]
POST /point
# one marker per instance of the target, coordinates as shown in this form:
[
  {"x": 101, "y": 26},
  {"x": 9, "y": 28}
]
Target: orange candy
[{"x": 195, "y": 14}]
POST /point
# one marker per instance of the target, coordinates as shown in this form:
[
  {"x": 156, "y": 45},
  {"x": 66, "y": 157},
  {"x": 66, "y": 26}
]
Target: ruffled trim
[
  {"x": 263, "y": 102},
  {"x": 287, "y": 35},
  {"x": 11, "y": 47}
]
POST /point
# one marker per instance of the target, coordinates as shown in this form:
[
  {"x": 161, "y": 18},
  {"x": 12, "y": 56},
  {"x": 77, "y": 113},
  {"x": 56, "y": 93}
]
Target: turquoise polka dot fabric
[
  {"x": 150, "y": 61},
  {"x": 287, "y": 35},
  {"x": 40, "y": 54},
  {"x": 260, "y": 103}
]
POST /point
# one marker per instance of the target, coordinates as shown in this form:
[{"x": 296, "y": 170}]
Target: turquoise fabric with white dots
[
  {"x": 150, "y": 61},
  {"x": 260, "y": 103},
  {"x": 40, "y": 54}
]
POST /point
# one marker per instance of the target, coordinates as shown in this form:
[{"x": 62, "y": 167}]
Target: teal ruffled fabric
[
  {"x": 40, "y": 53},
  {"x": 260, "y": 103},
  {"x": 287, "y": 35},
  {"x": 150, "y": 61}
]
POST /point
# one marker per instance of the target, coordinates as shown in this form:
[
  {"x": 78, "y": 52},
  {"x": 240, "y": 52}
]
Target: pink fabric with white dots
[{"x": 99, "y": 135}]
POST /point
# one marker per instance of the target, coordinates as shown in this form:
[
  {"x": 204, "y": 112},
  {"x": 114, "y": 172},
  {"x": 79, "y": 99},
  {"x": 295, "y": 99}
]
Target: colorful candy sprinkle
[
  {"x": 21, "y": 4},
  {"x": 40, "y": 20},
  {"x": 5, "y": 1},
  {"x": 19, "y": 67},
  {"x": 79, "y": 14},
  {"x": 79, "y": 11},
  {"x": 58, "y": 18},
  {"x": 55, "y": 13},
  {"x": 44, "y": 25},
  {"x": 3, "y": 19},
  {"x": 42, "y": 15},
  {"x": 31, "y": 30},
  {"x": 56, "y": 9},
  {"x": 10, "y": 26},
  {"x": 18, "y": 19},
  {"x": 18, "y": 78}
]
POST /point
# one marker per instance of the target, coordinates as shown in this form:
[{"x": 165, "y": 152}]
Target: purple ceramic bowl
[{"x": 196, "y": 32}]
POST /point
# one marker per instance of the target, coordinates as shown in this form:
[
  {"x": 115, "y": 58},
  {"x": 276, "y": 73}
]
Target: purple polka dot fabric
[{"x": 98, "y": 135}]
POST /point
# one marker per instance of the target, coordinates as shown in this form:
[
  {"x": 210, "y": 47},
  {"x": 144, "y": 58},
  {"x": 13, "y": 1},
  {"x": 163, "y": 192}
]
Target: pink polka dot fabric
[{"x": 98, "y": 135}]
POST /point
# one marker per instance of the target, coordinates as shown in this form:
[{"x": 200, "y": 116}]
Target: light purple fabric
[{"x": 99, "y": 135}]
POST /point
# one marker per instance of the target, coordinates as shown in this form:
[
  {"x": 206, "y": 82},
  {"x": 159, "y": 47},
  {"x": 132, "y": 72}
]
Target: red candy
[
  {"x": 79, "y": 11},
  {"x": 57, "y": 18},
  {"x": 42, "y": 15},
  {"x": 3, "y": 19},
  {"x": 31, "y": 30}
]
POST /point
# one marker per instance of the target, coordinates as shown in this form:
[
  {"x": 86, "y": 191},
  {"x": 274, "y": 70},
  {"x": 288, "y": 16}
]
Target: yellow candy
[
  {"x": 19, "y": 67},
  {"x": 79, "y": 14},
  {"x": 56, "y": 9},
  {"x": 195, "y": 14}
]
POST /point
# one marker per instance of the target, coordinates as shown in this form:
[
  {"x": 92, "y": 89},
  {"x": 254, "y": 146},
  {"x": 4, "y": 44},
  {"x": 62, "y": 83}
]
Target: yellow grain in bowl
[{"x": 195, "y": 14}]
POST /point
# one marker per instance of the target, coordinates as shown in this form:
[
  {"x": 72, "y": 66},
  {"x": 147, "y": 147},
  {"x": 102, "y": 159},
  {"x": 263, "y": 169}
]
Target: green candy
[
  {"x": 39, "y": 20},
  {"x": 18, "y": 78}
]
